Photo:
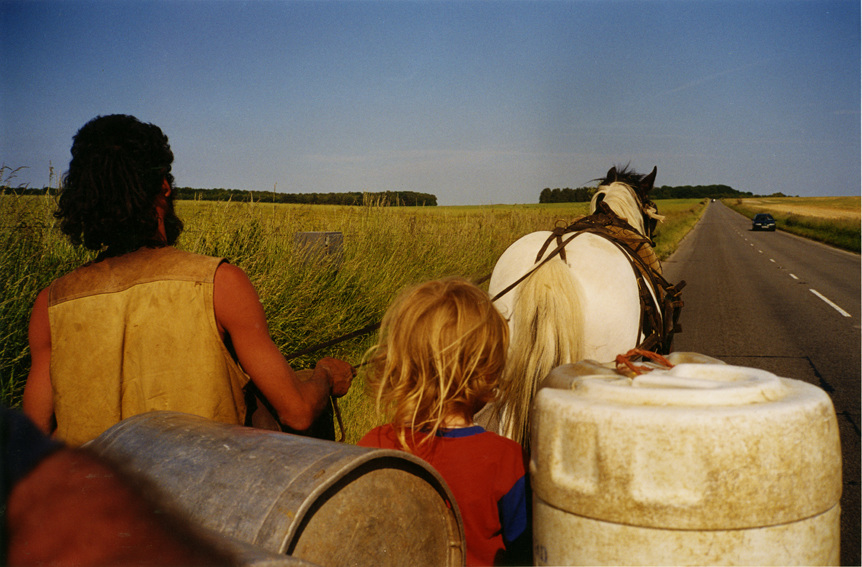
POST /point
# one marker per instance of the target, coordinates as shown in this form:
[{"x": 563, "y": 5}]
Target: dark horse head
[{"x": 642, "y": 185}]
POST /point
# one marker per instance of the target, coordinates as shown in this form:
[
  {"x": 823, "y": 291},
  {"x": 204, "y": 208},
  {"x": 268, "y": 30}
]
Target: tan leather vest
[{"x": 138, "y": 333}]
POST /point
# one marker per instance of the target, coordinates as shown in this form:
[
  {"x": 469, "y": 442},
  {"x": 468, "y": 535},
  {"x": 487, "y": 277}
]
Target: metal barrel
[
  {"x": 245, "y": 554},
  {"x": 323, "y": 502}
]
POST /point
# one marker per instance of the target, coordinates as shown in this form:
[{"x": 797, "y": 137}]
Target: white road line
[
  {"x": 828, "y": 302},
  {"x": 794, "y": 276},
  {"x": 771, "y": 260}
]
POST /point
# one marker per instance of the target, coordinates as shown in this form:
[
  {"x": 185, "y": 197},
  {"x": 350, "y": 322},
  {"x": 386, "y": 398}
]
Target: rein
[
  {"x": 560, "y": 249},
  {"x": 255, "y": 396},
  {"x": 370, "y": 328}
]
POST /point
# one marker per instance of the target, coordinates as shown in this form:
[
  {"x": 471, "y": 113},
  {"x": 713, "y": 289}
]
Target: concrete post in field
[{"x": 320, "y": 247}]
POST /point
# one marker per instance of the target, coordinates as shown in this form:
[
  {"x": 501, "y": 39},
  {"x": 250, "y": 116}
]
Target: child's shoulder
[
  {"x": 505, "y": 442},
  {"x": 382, "y": 436},
  {"x": 493, "y": 450},
  {"x": 479, "y": 435}
]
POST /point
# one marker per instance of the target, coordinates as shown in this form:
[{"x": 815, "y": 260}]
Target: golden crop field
[
  {"x": 822, "y": 207},
  {"x": 831, "y": 220}
]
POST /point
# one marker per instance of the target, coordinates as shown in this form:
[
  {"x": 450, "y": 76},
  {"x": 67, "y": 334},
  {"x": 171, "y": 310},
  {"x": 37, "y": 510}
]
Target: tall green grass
[
  {"x": 32, "y": 253},
  {"x": 308, "y": 299}
]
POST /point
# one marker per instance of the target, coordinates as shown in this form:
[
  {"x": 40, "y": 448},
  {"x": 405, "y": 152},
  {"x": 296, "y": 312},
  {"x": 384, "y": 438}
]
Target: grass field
[
  {"x": 308, "y": 300},
  {"x": 831, "y": 220}
]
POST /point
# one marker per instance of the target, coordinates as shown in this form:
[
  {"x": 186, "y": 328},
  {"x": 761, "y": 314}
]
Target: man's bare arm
[
  {"x": 38, "y": 402},
  {"x": 74, "y": 509},
  {"x": 240, "y": 315}
]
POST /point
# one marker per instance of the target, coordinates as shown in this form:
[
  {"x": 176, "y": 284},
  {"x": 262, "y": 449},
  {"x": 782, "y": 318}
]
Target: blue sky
[{"x": 475, "y": 102}]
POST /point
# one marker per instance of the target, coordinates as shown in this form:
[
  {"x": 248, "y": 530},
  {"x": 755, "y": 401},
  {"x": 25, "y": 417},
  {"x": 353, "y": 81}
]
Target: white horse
[{"x": 574, "y": 294}]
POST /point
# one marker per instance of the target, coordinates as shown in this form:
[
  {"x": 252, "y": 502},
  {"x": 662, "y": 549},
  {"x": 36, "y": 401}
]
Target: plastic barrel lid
[
  {"x": 699, "y": 446},
  {"x": 688, "y": 385}
]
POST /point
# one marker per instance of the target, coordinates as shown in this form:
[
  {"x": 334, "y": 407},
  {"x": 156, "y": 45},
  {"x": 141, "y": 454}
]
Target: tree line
[
  {"x": 567, "y": 195},
  {"x": 413, "y": 198},
  {"x": 701, "y": 192},
  {"x": 584, "y": 194},
  {"x": 377, "y": 199},
  {"x": 380, "y": 199}
]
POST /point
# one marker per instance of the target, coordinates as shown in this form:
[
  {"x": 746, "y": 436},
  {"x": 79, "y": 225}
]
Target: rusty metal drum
[{"x": 323, "y": 502}]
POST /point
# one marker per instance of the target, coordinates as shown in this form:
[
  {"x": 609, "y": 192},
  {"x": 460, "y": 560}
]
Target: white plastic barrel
[{"x": 702, "y": 464}]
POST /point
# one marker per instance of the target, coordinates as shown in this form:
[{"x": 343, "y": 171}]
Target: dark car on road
[{"x": 763, "y": 221}]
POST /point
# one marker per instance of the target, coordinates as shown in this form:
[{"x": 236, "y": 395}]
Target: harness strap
[
  {"x": 659, "y": 318},
  {"x": 603, "y": 219},
  {"x": 649, "y": 320},
  {"x": 662, "y": 312},
  {"x": 664, "y": 317},
  {"x": 660, "y": 315},
  {"x": 557, "y": 234},
  {"x": 553, "y": 253}
]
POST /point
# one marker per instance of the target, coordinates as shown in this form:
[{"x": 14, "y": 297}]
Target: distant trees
[
  {"x": 6, "y": 190},
  {"x": 412, "y": 198},
  {"x": 567, "y": 195},
  {"x": 698, "y": 192},
  {"x": 582, "y": 194},
  {"x": 381, "y": 199},
  {"x": 378, "y": 199}
]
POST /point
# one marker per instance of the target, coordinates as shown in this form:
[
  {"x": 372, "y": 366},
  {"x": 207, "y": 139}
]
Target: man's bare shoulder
[
  {"x": 234, "y": 296},
  {"x": 39, "y": 314},
  {"x": 229, "y": 275}
]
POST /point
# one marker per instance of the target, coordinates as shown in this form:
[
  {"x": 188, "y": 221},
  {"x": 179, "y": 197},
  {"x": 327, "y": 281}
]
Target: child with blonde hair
[{"x": 438, "y": 361}]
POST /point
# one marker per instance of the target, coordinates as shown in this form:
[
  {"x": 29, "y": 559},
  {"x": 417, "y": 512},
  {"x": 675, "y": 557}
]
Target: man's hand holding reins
[{"x": 339, "y": 373}]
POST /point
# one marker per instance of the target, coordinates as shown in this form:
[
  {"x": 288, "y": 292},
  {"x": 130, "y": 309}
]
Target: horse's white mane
[{"x": 623, "y": 200}]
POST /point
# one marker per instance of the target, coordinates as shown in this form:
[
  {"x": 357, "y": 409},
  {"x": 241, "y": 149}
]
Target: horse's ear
[
  {"x": 649, "y": 180},
  {"x": 611, "y": 176}
]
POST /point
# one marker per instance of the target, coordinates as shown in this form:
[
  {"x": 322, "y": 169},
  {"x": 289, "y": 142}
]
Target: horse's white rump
[
  {"x": 584, "y": 305},
  {"x": 587, "y": 307},
  {"x": 602, "y": 275}
]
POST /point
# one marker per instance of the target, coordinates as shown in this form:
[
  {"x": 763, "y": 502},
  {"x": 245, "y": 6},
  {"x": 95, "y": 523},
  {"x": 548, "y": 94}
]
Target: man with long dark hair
[{"x": 147, "y": 326}]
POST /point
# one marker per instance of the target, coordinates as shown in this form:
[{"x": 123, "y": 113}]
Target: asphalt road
[{"x": 774, "y": 301}]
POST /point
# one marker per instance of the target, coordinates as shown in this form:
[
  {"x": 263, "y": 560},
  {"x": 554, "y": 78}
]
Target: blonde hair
[{"x": 440, "y": 353}]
